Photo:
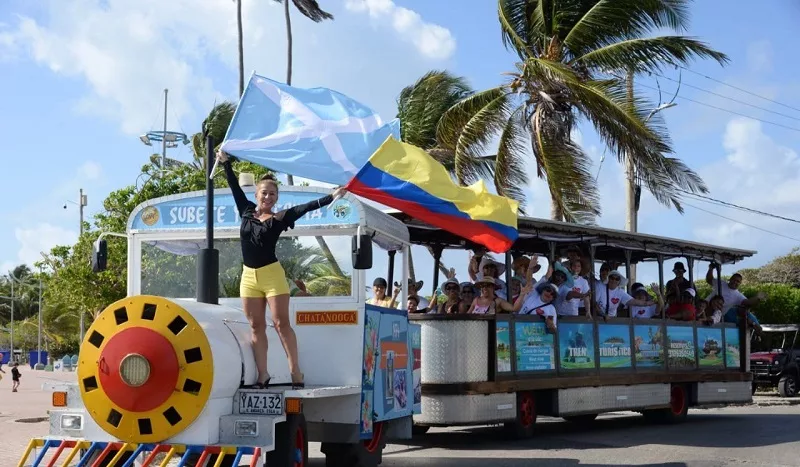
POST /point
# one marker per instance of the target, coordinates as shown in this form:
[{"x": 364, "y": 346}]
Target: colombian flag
[{"x": 407, "y": 178}]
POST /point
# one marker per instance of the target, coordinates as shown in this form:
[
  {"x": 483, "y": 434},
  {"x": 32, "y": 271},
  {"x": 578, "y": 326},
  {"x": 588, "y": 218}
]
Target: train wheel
[
  {"x": 291, "y": 443},
  {"x": 523, "y": 426},
  {"x": 368, "y": 453}
]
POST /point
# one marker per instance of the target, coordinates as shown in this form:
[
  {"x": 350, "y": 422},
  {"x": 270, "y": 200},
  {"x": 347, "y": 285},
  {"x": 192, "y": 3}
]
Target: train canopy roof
[{"x": 610, "y": 244}]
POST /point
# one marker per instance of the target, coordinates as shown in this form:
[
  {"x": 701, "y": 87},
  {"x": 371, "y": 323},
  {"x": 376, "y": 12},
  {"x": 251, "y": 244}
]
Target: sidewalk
[{"x": 23, "y": 414}]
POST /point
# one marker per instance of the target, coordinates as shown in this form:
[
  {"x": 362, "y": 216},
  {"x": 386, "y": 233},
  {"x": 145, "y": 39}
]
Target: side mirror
[
  {"x": 99, "y": 255},
  {"x": 362, "y": 252}
]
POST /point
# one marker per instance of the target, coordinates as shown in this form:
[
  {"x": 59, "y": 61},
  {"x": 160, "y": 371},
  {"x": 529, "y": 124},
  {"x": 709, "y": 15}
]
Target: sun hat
[
  {"x": 487, "y": 281},
  {"x": 501, "y": 268}
]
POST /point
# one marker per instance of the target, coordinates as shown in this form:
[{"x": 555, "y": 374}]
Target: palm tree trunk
[
  {"x": 631, "y": 221},
  {"x": 241, "y": 46},
  {"x": 555, "y": 210}
]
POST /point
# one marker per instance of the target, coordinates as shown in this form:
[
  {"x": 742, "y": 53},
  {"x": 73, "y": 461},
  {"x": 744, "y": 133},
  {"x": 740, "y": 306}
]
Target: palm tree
[
  {"x": 328, "y": 282},
  {"x": 568, "y": 53}
]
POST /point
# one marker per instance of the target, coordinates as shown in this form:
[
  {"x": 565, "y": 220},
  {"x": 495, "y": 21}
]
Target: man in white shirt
[{"x": 730, "y": 290}]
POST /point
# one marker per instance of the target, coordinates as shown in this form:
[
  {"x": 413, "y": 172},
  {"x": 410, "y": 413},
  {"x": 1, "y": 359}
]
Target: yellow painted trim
[
  {"x": 75, "y": 449},
  {"x": 169, "y": 455},
  {"x": 188, "y": 406},
  {"x": 31, "y": 444},
  {"x": 115, "y": 459}
]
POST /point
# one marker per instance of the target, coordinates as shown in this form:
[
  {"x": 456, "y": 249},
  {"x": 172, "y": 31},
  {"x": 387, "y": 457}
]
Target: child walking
[{"x": 15, "y": 375}]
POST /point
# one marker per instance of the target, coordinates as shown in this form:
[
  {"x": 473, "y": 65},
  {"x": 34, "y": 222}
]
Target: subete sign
[{"x": 189, "y": 212}]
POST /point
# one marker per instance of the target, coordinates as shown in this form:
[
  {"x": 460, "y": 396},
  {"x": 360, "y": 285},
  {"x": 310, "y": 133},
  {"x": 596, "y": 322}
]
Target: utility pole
[
  {"x": 164, "y": 140},
  {"x": 13, "y": 299},
  {"x": 39, "y": 364},
  {"x": 82, "y": 202}
]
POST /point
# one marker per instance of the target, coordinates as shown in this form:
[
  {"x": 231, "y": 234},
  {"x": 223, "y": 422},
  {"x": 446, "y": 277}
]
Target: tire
[
  {"x": 523, "y": 426},
  {"x": 419, "y": 430},
  {"x": 581, "y": 419},
  {"x": 787, "y": 386},
  {"x": 677, "y": 411},
  {"x": 368, "y": 453},
  {"x": 291, "y": 443}
]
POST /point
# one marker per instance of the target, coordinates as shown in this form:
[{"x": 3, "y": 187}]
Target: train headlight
[
  {"x": 71, "y": 422},
  {"x": 134, "y": 370}
]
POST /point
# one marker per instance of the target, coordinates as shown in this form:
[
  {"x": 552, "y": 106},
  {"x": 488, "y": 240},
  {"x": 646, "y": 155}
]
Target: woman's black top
[{"x": 260, "y": 238}]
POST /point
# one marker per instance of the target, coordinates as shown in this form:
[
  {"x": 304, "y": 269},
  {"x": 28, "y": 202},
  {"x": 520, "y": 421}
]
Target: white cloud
[
  {"x": 759, "y": 173},
  {"x": 37, "y": 239},
  {"x": 129, "y": 52},
  {"x": 432, "y": 41},
  {"x": 90, "y": 170}
]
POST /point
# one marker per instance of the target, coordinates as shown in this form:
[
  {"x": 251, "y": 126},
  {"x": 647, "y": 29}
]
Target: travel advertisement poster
[
  {"x": 615, "y": 346},
  {"x": 535, "y": 347},
  {"x": 503, "y": 346},
  {"x": 680, "y": 347},
  {"x": 648, "y": 346},
  {"x": 576, "y": 345},
  {"x": 732, "y": 348},
  {"x": 709, "y": 347}
]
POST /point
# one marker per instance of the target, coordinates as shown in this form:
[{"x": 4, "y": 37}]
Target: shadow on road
[
  {"x": 701, "y": 429},
  {"x": 467, "y": 462}
]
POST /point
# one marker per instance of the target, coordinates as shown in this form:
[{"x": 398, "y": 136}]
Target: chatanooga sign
[
  {"x": 326, "y": 317},
  {"x": 188, "y": 211}
]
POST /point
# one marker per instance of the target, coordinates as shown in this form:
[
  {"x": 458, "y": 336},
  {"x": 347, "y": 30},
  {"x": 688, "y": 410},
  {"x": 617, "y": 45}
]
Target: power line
[
  {"x": 728, "y": 110},
  {"x": 736, "y": 206},
  {"x": 729, "y": 98},
  {"x": 740, "y": 89},
  {"x": 742, "y": 223}
]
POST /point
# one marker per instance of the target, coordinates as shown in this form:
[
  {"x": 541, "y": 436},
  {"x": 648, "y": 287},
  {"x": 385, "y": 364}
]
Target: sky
[{"x": 81, "y": 80}]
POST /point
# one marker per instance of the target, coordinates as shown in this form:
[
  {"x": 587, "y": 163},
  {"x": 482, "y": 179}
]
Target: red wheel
[
  {"x": 291, "y": 443},
  {"x": 523, "y": 426},
  {"x": 372, "y": 445},
  {"x": 677, "y": 402}
]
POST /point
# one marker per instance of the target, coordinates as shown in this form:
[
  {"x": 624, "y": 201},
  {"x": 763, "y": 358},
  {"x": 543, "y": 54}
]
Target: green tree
[{"x": 567, "y": 52}]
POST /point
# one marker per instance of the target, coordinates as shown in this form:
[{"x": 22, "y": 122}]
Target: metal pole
[
  {"x": 164, "y": 138},
  {"x": 39, "y": 345},
  {"x": 13, "y": 299},
  {"x": 81, "y": 203}
]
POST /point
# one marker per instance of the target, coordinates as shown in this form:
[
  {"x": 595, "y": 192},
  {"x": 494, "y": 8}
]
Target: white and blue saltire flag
[{"x": 317, "y": 133}]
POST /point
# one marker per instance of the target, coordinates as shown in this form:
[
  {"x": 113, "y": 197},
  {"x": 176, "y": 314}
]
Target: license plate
[{"x": 253, "y": 403}]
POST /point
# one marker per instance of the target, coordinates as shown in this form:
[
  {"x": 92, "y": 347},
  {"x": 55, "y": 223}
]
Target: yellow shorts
[{"x": 266, "y": 281}]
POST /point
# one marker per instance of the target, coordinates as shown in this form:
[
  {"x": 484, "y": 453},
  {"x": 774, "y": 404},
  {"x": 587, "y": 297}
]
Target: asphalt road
[{"x": 740, "y": 436}]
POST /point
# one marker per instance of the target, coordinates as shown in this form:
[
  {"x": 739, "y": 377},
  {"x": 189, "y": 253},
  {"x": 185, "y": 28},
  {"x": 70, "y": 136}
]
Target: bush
[{"x": 781, "y": 307}]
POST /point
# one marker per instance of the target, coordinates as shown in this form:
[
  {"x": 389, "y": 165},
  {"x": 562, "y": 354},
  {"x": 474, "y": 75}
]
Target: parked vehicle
[{"x": 775, "y": 358}]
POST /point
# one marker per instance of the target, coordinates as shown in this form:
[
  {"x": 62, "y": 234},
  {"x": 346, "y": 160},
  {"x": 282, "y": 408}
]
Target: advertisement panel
[
  {"x": 576, "y": 345},
  {"x": 680, "y": 347},
  {"x": 615, "y": 345},
  {"x": 534, "y": 347},
  {"x": 709, "y": 347},
  {"x": 648, "y": 345}
]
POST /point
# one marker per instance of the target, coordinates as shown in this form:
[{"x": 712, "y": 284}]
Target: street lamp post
[
  {"x": 39, "y": 364},
  {"x": 83, "y": 201},
  {"x": 168, "y": 139}
]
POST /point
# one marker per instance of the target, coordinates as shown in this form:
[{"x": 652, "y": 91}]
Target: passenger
[
  {"x": 487, "y": 302},
  {"x": 682, "y": 309},
  {"x": 263, "y": 278},
  {"x": 644, "y": 312},
  {"x": 450, "y": 305},
  {"x": 413, "y": 289},
  {"x": 517, "y": 283},
  {"x": 412, "y": 304},
  {"x": 702, "y": 307},
  {"x": 578, "y": 295},
  {"x": 379, "y": 298},
  {"x": 713, "y": 313},
  {"x": 730, "y": 290},
  {"x": 467, "y": 296},
  {"x": 538, "y": 299},
  {"x": 521, "y": 263},
  {"x": 614, "y": 295},
  {"x": 676, "y": 287}
]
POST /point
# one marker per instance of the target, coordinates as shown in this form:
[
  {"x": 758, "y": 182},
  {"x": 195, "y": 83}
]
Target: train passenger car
[{"x": 507, "y": 369}]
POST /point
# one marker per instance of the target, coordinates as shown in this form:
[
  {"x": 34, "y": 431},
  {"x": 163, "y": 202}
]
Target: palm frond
[
  {"x": 476, "y": 134},
  {"x": 310, "y": 9},
  {"x": 510, "y": 176},
  {"x": 567, "y": 171},
  {"x": 602, "y": 22},
  {"x": 651, "y": 54},
  {"x": 516, "y": 28}
]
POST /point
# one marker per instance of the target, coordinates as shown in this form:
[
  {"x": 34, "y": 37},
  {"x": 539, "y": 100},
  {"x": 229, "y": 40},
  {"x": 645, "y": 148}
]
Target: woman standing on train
[{"x": 263, "y": 278}]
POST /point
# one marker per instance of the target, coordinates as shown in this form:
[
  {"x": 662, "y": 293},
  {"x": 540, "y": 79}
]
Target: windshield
[
  {"x": 317, "y": 266},
  {"x": 773, "y": 341}
]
